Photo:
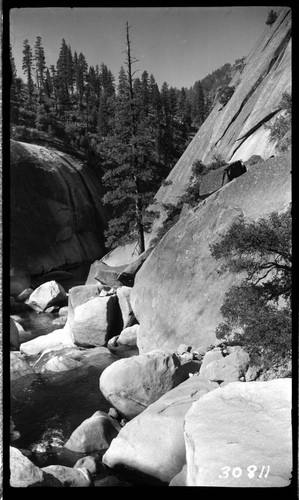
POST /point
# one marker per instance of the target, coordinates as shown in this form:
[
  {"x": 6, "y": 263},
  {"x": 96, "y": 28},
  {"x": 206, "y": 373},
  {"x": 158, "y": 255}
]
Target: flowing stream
[{"x": 47, "y": 408}]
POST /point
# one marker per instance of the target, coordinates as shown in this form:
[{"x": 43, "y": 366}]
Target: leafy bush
[
  {"x": 217, "y": 162},
  {"x": 257, "y": 313},
  {"x": 281, "y": 127},
  {"x": 271, "y": 18},
  {"x": 225, "y": 94}
]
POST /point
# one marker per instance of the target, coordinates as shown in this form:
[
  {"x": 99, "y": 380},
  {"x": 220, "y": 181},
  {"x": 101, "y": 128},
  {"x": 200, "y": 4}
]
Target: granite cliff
[
  {"x": 236, "y": 130},
  {"x": 56, "y": 215}
]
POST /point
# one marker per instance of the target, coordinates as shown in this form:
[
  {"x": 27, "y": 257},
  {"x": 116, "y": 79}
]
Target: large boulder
[
  {"x": 95, "y": 433},
  {"x": 70, "y": 476},
  {"x": 108, "y": 275},
  {"x": 24, "y": 473},
  {"x": 60, "y": 364},
  {"x": 46, "y": 295},
  {"x": 229, "y": 368},
  {"x": 153, "y": 442},
  {"x": 97, "y": 320},
  {"x": 57, "y": 359},
  {"x": 178, "y": 291},
  {"x": 124, "y": 299},
  {"x": 127, "y": 275},
  {"x": 19, "y": 366},
  {"x": 132, "y": 384},
  {"x": 59, "y": 338},
  {"x": 56, "y": 213},
  {"x": 128, "y": 336},
  {"x": 241, "y": 436},
  {"x": 94, "y": 315}
]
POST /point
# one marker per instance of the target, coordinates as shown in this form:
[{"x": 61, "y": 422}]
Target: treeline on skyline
[
  {"x": 76, "y": 101},
  {"x": 131, "y": 131}
]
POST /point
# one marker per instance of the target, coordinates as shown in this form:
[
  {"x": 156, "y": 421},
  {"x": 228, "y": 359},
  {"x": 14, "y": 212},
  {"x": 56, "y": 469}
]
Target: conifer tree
[
  {"x": 15, "y": 91},
  {"x": 131, "y": 174},
  {"x": 62, "y": 77},
  {"x": 27, "y": 67},
  {"x": 70, "y": 70},
  {"x": 198, "y": 105},
  {"x": 40, "y": 66},
  {"x": 48, "y": 83}
]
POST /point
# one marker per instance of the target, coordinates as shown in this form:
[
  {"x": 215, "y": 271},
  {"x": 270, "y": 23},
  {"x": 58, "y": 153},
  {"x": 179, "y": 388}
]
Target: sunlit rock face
[
  {"x": 178, "y": 292},
  {"x": 56, "y": 213},
  {"x": 236, "y": 130}
]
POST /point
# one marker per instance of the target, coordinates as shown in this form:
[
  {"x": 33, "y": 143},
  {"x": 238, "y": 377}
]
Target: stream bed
[{"x": 47, "y": 407}]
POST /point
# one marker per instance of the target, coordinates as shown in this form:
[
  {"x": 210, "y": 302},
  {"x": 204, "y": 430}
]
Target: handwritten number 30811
[{"x": 237, "y": 472}]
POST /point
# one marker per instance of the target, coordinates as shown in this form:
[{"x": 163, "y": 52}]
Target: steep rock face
[
  {"x": 57, "y": 217},
  {"x": 178, "y": 293},
  {"x": 236, "y": 130}
]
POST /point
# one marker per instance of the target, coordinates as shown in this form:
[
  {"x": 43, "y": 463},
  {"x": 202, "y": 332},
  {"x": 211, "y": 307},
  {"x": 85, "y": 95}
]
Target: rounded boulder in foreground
[
  {"x": 240, "y": 435},
  {"x": 132, "y": 384}
]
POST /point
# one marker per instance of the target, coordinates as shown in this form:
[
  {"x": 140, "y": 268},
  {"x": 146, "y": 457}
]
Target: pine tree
[
  {"x": 15, "y": 91},
  {"x": 27, "y": 67},
  {"x": 54, "y": 85},
  {"x": 40, "y": 66},
  {"x": 198, "y": 105},
  {"x": 131, "y": 174},
  {"x": 48, "y": 84},
  {"x": 70, "y": 70},
  {"x": 80, "y": 75},
  {"x": 106, "y": 112},
  {"x": 62, "y": 76}
]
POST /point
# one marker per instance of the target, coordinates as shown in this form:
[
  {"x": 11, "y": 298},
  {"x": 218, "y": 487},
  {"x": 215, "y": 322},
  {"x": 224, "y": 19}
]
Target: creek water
[{"x": 47, "y": 408}]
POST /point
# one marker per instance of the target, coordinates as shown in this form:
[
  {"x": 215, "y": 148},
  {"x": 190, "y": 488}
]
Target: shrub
[
  {"x": 225, "y": 94},
  {"x": 217, "y": 162},
  {"x": 282, "y": 125},
  {"x": 252, "y": 312},
  {"x": 272, "y": 16}
]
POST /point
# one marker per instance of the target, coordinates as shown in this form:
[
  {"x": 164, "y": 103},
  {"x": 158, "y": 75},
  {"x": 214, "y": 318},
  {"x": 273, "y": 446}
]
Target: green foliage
[
  {"x": 198, "y": 168},
  {"x": 25, "y": 134},
  {"x": 217, "y": 162},
  {"x": 281, "y": 128},
  {"x": 257, "y": 313},
  {"x": 260, "y": 326},
  {"x": 225, "y": 93},
  {"x": 272, "y": 16}
]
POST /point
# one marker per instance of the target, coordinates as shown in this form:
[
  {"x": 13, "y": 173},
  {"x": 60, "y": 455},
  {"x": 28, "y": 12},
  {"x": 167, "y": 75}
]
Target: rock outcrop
[
  {"x": 229, "y": 368},
  {"x": 57, "y": 217},
  {"x": 24, "y": 473},
  {"x": 95, "y": 433},
  {"x": 132, "y": 384},
  {"x": 236, "y": 131},
  {"x": 47, "y": 295},
  {"x": 68, "y": 476},
  {"x": 178, "y": 291},
  {"x": 94, "y": 314},
  {"x": 241, "y": 436},
  {"x": 153, "y": 442}
]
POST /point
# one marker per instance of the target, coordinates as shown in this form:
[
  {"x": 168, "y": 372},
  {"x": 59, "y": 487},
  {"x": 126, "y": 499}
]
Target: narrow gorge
[{"x": 118, "y": 373}]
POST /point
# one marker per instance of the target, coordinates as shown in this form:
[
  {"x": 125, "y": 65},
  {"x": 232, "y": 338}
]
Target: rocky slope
[
  {"x": 235, "y": 130},
  {"x": 178, "y": 293},
  {"x": 57, "y": 217}
]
